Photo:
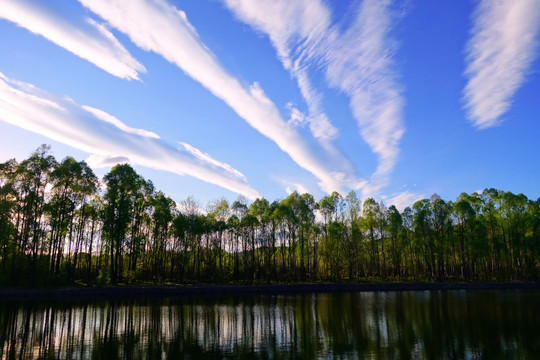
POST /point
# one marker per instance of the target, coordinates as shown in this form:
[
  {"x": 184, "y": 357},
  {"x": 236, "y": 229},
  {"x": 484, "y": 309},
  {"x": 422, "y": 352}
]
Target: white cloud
[
  {"x": 404, "y": 199},
  {"x": 291, "y": 187},
  {"x": 102, "y": 115},
  {"x": 357, "y": 61},
  {"x": 104, "y": 161},
  {"x": 499, "y": 54},
  {"x": 320, "y": 125},
  {"x": 360, "y": 64},
  {"x": 177, "y": 41},
  {"x": 89, "y": 40},
  {"x": 109, "y": 142},
  {"x": 296, "y": 117},
  {"x": 296, "y": 29},
  {"x": 207, "y": 158}
]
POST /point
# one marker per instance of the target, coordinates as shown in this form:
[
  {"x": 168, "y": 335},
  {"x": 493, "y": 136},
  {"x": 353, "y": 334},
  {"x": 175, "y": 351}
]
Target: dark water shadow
[{"x": 380, "y": 325}]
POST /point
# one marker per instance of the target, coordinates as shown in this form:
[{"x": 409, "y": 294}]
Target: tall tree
[
  {"x": 371, "y": 220},
  {"x": 123, "y": 185},
  {"x": 8, "y": 202},
  {"x": 32, "y": 178},
  {"x": 162, "y": 217},
  {"x": 395, "y": 227},
  {"x": 73, "y": 184}
]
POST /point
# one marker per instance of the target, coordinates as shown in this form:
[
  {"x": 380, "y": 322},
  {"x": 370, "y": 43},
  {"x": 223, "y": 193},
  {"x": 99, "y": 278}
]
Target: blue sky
[{"x": 395, "y": 100}]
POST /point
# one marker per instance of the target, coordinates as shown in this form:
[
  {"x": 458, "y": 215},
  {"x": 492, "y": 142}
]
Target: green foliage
[{"x": 57, "y": 228}]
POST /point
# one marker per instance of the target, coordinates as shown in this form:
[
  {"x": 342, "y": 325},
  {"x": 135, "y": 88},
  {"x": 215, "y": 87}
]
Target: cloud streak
[
  {"x": 109, "y": 142},
  {"x": 301, "y": 189},
  {"x": 89, "y": 40},
  {"x": 177, "y": 41},
  {"x": 208, "y": 159},
  {"x": 296, "y": 29},
  {"x": 102, "y": 115},
  {"x": 499, "y": 54},
  {"x": 358, "y": 62},
  {"x": 404, "y": 199}
]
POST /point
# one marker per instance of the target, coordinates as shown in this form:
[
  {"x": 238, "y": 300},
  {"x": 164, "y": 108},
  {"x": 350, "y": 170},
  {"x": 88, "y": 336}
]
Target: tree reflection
[{"x": 404, "y": 325}]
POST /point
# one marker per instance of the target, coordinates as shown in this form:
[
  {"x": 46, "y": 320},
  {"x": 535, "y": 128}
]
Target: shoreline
[{"x": 178, "y": 291}]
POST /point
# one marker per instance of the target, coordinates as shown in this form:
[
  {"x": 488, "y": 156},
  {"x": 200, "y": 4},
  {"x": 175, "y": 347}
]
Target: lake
[{"x": 483, "y": 324}]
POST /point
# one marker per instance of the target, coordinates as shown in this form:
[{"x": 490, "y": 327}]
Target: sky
[{"x": 395, "y": 100}]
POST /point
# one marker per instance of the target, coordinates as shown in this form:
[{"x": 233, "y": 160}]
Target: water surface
[{"x": 363, "y": 325}]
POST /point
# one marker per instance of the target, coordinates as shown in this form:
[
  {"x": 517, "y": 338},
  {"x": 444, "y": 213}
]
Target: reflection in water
[{"x": 399, "y": 325}]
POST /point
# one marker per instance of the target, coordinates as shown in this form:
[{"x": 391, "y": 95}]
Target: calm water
[{"x": 384, "y": 325}]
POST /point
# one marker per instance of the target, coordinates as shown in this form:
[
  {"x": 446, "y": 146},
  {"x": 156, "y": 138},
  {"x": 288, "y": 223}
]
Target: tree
[
  {"x": 395, "y": 225},
  {"x": 31, "y": 180},
  {"x": 73, "y": 183},
  {"x": 442, "y": 227},
  {"x": 423, "y": 234},
  {"x": 371, "y": 221},
  {"x": 328, "y": 207},
  {"x": 219, "y": 211},
  {"x": 465, "y": 218},
  {"x": 162, "y": 216},
  {"x": 260, "y": 210},
  {"x": 123, "y": 185},
  {"x": 8, "y": 202},
  {"x": 56, "y": 226}
]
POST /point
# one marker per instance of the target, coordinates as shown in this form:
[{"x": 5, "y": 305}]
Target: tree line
[{"x": 59, "y": 224}]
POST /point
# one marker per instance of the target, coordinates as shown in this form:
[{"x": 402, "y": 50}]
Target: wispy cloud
[
  {"x": 104, "y": 161},
  {"x": 102, "y": 115},
  {"x": 292, "y": 185},
  {"x": 296, "y": 29},
  {"x": 499, "y": 54},
  {"x": 404, "y": 199},
  {"x": 178, "y": 42},
  {"x": 109, "y": 142},
  {"x": 87, "y": 39},
  {"x": 207, "y": 158},
  {"x": 296, "y": 187},
  {"x": 358, "y": 62}
]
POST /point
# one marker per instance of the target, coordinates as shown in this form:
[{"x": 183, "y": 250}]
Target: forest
[{"x": 61, "y": 225}]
